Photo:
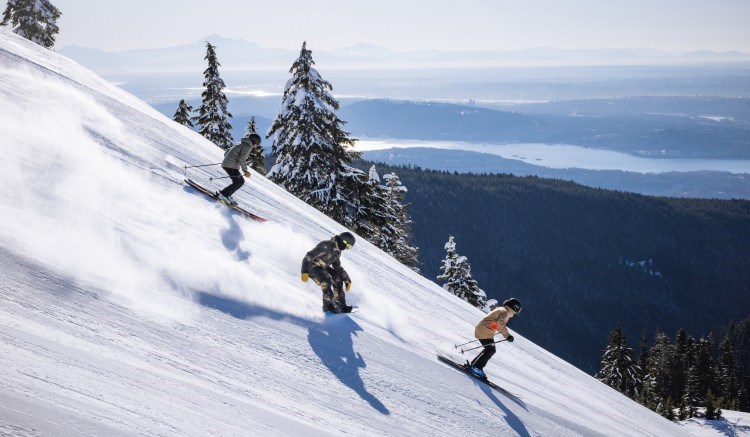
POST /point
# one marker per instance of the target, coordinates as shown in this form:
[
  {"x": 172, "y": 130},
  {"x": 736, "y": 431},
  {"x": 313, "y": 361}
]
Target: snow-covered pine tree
[
  {"x": 683, "y": 345},
  {"x": 257, "y": 158},
  {"x": 397, "y": 241},
  {"x": 35, "y": 20},
  {"x": 727, "y": 378},
  {"x": 310, "y": 145},
  {"x": 182, "y": 115},
  {"x": 699, "y": 375},
  {"x": 618, "y": 369},
  {"x": 657, "y": 383},
  {"x": 369, "y": 213},
  {"x": 213, "y": 116},
  {"x": 457, "y": 276},
  {"x": 642, "y": 369},
  {"x": 693, "y": 396}
]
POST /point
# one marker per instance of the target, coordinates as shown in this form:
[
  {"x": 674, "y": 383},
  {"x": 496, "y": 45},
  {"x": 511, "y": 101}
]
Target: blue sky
[{"x": 672, "y": 25}]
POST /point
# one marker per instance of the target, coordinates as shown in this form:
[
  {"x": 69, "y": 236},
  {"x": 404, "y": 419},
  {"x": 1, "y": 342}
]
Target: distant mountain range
[{"x": 237, "y": 54}]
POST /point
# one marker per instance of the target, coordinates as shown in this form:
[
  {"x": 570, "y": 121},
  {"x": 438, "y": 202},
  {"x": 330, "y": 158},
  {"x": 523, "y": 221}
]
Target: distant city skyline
[{"x": 668, "y": 25}]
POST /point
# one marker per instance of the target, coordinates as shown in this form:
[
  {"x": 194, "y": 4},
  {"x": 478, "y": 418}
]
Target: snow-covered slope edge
[{"x": 132, "y": 305}]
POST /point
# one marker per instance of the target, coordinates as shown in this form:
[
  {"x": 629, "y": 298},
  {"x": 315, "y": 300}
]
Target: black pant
[
  {"x": 332, "y": 285},
  {"x": 489, "y": 350},
  {"x": 237, "y": 181}
]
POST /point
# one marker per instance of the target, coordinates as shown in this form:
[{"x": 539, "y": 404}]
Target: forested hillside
[{"x": 582, "y": 259}]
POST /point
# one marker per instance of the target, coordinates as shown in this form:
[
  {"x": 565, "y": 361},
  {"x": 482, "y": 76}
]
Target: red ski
[{"x": 212, "y": 194}]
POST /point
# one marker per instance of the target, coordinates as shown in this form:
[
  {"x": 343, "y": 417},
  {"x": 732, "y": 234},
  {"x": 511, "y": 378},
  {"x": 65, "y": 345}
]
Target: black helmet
[
  {"x": 254, "y": 138},
  {"x": 513, "y": 304},
  {"x": 347, "y": 240}
]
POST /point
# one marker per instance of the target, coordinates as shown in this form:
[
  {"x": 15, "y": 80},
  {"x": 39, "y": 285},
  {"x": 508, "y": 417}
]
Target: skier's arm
[
  {"x": 305, "y": 267},
  {"x": 311, "y": 258},
  {"x": 244, "y": 155},
  {"x": 502, "y": 321},
  {"x": 336, "y": 265},
  {"x": 503, "y": 330},
  {"x": 347, "y": 279}
]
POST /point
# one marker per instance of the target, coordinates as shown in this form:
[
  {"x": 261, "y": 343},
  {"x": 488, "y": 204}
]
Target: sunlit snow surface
[{"x": 131, "y": 305}]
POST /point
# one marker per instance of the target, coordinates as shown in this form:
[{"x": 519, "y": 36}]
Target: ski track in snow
[{"x": 132, "y": 305}]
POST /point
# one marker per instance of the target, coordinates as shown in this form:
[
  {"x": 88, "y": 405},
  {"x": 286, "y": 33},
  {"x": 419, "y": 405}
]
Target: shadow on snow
[
  {"x": 232, "y": 236},
  {"x": 331, "y": 341},
  {"x": 510, "y": 417}
]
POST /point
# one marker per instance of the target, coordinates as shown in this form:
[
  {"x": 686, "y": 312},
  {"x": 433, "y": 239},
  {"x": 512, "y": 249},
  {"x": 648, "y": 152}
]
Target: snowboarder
[
  {"x": 235, "y": 158},
  {"x": 323, "y": 265},
  {"x": 485, "y": 332}
]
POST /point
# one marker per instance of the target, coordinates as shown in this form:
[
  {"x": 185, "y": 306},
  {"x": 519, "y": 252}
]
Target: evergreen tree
[
  {"x": 658, "y": 379},
  {"x": 618, "y": 369},
  {"x": 643, "y": 357},
  {"x": 369, "y": 214},
  {"x": 399, "y": 229},
  {"x": 682, "y": 355},
  {"x": 310, "y": 145},
  {"x": 667, "y": 409},
  {"x": 741, "y": 348},
  {"x": 713, "y": 412},
  {"x": 35, "y": 20},
  {"x": 457, "y": 276},
  {"x": 693, "y": 396},
  {"x": 682, "y": 411},
  {"x": 213, "y": 116},
  {"x": 182, "y": 115},
  {"x": 699, "y": 375},
  {"x": 257, "y": 158},
  {"x": 726, "y": 372},
  {"x": 383, "y": 218},
  {"x": 743, "y": 403}
]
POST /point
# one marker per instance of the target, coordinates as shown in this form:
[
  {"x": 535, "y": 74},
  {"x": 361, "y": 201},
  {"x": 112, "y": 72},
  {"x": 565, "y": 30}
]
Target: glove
[
  {"x": 304, "y": 277},
  {"x": 509, "y": 338},
  {"x": 247, "y": 174},
  {"x": 348, "y": 285}
]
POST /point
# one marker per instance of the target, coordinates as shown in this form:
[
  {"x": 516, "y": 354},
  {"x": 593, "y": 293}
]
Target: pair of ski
[
  {"x": 234, "y": 206},
  {"x": 465, "y": 368}
]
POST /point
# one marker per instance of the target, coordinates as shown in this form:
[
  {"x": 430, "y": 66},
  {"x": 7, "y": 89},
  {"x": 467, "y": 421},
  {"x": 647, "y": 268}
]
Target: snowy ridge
[{"x": 132, "y": 305}]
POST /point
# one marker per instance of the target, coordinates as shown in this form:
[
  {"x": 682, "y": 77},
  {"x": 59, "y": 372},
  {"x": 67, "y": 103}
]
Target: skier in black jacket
[{"x": 323, "y": 265}]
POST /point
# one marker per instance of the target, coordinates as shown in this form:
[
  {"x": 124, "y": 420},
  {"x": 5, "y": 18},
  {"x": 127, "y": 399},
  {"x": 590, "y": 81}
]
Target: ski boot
[
  {"x": 479, "y": 373},
  {"x": 222, "y": 198}
]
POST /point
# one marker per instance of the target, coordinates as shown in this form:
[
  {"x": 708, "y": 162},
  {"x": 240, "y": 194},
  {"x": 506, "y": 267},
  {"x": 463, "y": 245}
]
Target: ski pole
[
  {"x": 463, "y": 344},
  {"x": 471, "y": 349},
  {"x": 472, "y": 341},
  {"x": 202, "y": 165}
]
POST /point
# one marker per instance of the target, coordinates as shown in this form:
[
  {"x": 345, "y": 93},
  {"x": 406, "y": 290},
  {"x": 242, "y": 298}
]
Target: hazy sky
[{"x": 674, "y": 25}]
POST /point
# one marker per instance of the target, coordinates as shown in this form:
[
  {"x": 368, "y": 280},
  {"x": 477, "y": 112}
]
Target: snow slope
[
  {"x": 731, "y": 423},
  {"x": 132, "y": 305}
]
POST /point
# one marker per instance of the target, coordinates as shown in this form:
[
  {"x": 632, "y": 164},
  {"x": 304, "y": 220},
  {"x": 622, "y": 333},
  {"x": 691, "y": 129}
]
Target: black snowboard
[{"x": 354, "y": 310}]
